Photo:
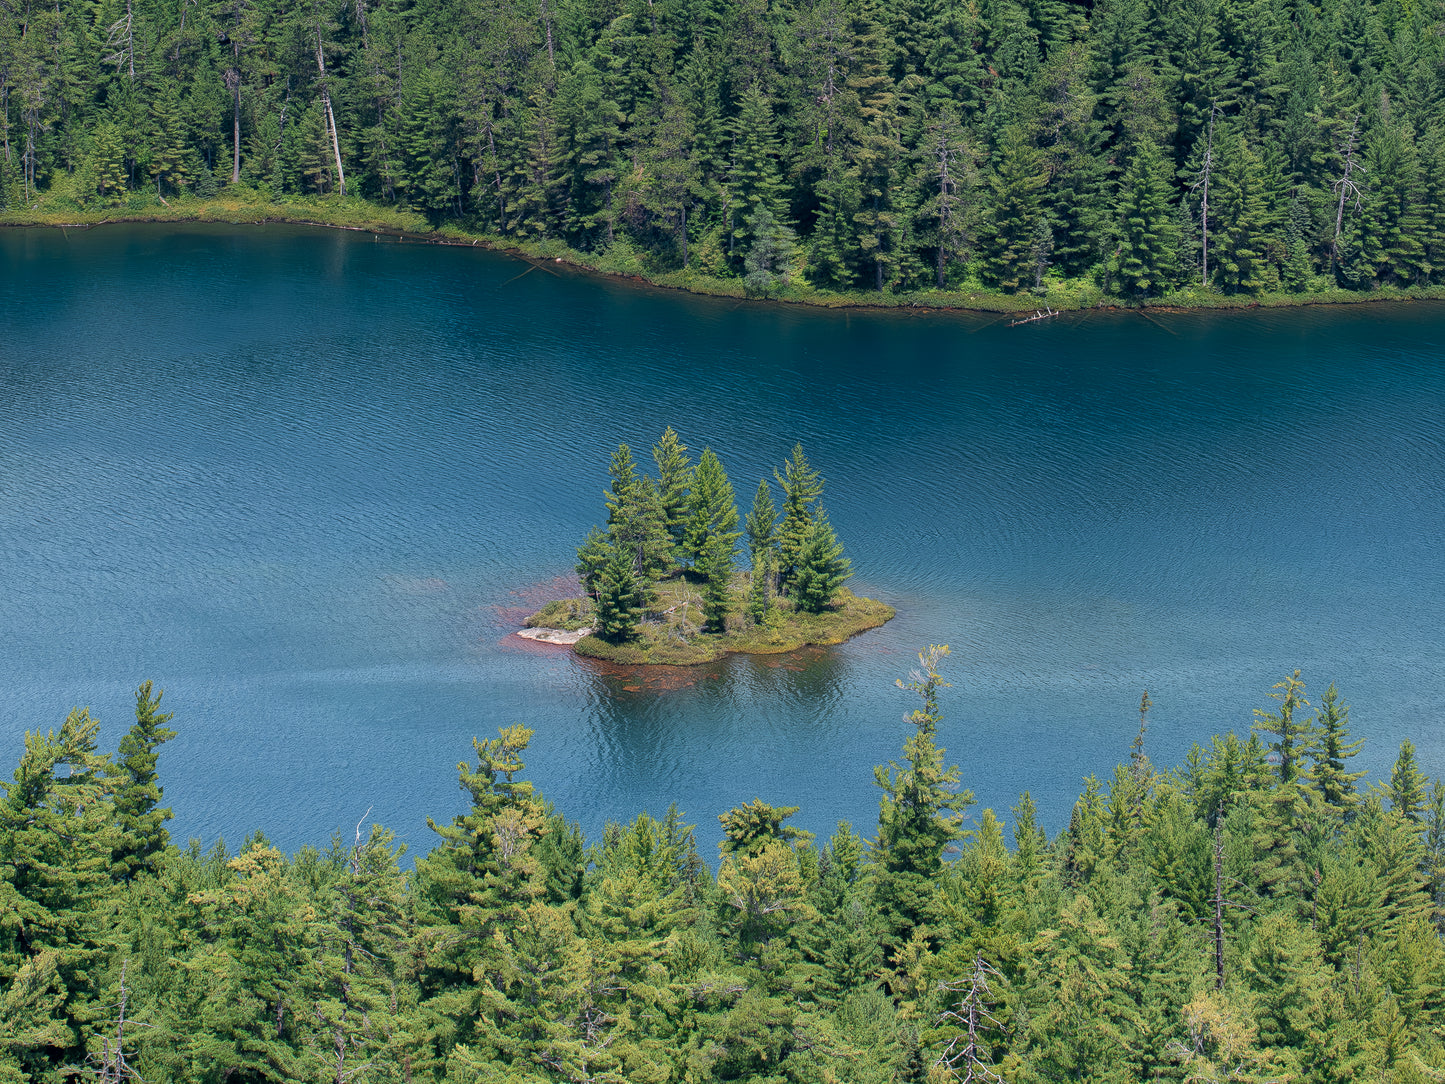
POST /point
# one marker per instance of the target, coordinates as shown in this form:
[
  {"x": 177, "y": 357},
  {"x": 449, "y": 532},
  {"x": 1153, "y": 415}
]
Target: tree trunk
[
  {"x": 236, "y": 121},
  {"x": 330, "y": 116}
]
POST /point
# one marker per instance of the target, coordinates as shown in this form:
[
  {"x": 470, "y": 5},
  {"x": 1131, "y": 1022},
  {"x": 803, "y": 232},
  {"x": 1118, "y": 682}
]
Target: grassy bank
[
  {"x": 671, "y": 636},
  {"x": 239, "y": 204}
]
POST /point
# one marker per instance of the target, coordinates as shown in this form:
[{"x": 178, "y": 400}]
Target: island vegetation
[
  {"x": 1255, "y": 914},
  {"x": 1007, "y": 154},
  {"x": 662, "y": 584}
]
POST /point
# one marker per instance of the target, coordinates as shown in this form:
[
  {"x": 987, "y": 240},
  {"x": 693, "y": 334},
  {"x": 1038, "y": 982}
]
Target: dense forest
[
  {"x": 1252, "y": 915},
  {"x": 1134, "y": 144}
]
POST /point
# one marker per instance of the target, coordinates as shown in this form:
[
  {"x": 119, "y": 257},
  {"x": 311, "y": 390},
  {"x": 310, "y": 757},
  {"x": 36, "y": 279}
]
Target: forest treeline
[
  {"x": 1138, "y": 145},
  {"x": 1252, "y": 915}
]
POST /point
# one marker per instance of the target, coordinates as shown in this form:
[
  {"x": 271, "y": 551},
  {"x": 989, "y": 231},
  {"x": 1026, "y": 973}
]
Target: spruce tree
[
  {"x": 619, "y": 598},
  {"x": 674, "y": 478},
  {"x": 1011, "y": 210},
  {"x": 712, "y": 508},
  {"x": 141, "y": 837},
  {"x": 802, "y": 485},
  {"x": 761, "y": 522},
  {"x": 1147, "y": 238},
  {"x": 821, "y": 567}
]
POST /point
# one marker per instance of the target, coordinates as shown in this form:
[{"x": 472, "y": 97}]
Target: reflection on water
[{"x": 312, "y": 487}]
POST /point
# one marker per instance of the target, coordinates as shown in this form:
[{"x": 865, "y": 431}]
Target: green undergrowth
[
  {"x": 671, "y": 634},
  {"x": 243, "y": 204}
]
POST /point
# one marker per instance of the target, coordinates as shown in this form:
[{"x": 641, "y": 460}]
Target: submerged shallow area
[{"x": 304, "y": 481}]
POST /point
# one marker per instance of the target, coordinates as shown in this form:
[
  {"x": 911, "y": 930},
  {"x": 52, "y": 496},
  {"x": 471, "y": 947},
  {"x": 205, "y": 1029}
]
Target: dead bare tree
[
  {"x": 972, "y": 1015},
  {"x": 109, "y": 1064},
  {"x": 121, "y": 38},
  {"x": 1206, "y": 171},
  {"x": 1345, "y": 187}
]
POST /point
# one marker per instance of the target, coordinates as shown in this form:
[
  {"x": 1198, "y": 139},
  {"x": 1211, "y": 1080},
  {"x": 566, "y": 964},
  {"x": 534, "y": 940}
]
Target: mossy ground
[
  {"x": 245, "y": 204},
  {"x": 671, "y": 635}
]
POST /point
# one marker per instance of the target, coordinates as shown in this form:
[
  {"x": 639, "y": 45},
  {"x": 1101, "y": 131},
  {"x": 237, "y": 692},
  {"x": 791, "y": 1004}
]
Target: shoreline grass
[
  {"x": 240, "y": 205},
  {"x": 671, "y": 635}
]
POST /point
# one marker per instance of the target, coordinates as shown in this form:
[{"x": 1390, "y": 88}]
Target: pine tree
[
  {"x": 55, "y": 850},
  {"x": 141, "y": 837},
  {"x": 761, "y": 522},
  {"x": 920, "y": 814},
  {"x": 1294, "y": 738},
  {"x": 1332, "y": 748},
  {"x": 1407, "y": 784}
]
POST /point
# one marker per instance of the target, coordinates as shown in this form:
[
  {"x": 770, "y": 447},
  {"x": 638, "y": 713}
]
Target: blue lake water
[{"x": 308, "y": 481}]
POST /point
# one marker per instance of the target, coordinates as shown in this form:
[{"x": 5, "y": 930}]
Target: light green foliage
[
  {"x": 935, "y": 951},
  {"x": 1332, "y": 749},
  {"x": 1407, "y": 784},
  {"x": 920, "y": 814},
  {"x": 1293, "y": 738}
]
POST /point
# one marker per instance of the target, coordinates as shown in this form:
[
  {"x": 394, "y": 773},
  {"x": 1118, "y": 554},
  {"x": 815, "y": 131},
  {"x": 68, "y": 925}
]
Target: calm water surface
[{"x": 307, "y": 482}]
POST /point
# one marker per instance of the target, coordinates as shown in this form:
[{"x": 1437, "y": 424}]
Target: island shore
[
  {"x": 244, "y": 206},
  {"x": 671, "y": 637}
]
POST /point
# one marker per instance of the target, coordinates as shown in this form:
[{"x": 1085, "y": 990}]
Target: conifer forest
[
  {"x": 1137, "y": 145},
  {"x": 1257, "y": 913}
]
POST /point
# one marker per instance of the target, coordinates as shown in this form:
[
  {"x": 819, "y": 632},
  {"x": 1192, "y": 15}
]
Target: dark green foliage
[
  {"x": 674, "y": 478},
  {"x": 762, "y": 521},
  {"x": 821, "y": 567},
  {"x": 141, "y": 836},
  {"x": 920, "y": 815},
  {"x": 802, "y": 486},
  {"x": 929, "y": 143},
  {"x": 618, "y": 597},
  {"x": 1148, "y": 239}
]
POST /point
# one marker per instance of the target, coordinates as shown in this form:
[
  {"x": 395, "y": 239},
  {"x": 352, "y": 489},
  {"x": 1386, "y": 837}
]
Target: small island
[{"x": 662, "y": 583}]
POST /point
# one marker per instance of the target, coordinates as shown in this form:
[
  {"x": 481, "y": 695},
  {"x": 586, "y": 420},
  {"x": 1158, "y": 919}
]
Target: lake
[{"x": 308, "y": 482}]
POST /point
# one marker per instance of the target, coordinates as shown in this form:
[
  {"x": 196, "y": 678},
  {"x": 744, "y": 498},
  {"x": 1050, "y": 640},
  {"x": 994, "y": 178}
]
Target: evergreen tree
[
  {"x": 712, "y": 511},
  {"x": 821, "y": 567},
  {"x": 1407, "y": 784},
  {"x": 802, "y": 486},
  {"x": 1332, "y": 748},
  {"x": 762, "y": 521},
  {"x": 1294, "y": 738},
  {"x": 141, "y": 836},
  {"x": 1011, "y": 210},
  {"x": 1147, "y": 237},
  {"x": 920, "y": 815},
  {"x": 619, "y": 594},
  {"x": 674, "y": 478}
]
